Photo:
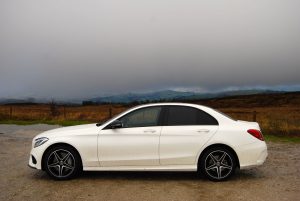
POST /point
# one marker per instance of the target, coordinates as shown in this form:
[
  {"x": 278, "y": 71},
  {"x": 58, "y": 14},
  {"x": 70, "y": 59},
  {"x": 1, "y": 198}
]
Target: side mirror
[{"x": 116, "y": 124}]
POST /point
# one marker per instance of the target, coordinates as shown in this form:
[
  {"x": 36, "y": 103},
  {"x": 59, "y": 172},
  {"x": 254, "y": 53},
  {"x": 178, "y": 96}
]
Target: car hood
[{"x": 71, "y": 130}]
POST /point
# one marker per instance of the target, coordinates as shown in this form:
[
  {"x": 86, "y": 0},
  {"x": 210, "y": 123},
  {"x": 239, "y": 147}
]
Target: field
[{"x": 277, "y": 114}]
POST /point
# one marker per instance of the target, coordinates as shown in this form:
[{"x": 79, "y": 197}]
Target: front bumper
[
  {"x": 35, "y": 158},
  {"x": 253, "y": 154},
  {"x": 31, "y": 166}
]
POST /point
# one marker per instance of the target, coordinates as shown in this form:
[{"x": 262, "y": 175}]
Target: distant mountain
[
  {"x": 165, "y": 95},
  {"x": 170, "y": 95},
  {"x": 16, "y": 101},
  {"x": 9, "y": 101},
  {"x": 152, "y": 96}
]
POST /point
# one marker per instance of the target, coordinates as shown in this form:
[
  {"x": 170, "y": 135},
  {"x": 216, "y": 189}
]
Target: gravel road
[{"x": 277, "y": 179}]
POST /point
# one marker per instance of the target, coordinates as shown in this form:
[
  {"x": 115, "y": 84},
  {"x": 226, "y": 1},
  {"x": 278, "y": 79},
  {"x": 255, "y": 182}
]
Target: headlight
[{"x": 40, "y": 141}]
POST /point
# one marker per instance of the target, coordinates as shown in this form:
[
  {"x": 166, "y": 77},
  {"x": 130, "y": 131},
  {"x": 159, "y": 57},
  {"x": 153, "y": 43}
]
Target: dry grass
[
  {"x": 276, "y": 114},
  {"x": 43, "y": 112},
  {"x": 272, "y": 120}
]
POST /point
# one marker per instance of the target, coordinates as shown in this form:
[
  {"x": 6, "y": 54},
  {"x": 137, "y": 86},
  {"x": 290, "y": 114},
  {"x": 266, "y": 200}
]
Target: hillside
[
  {"x": 229, "y": 100},
  {"x": 171, "y": 95},
  {"x": 256, "y": 100}
]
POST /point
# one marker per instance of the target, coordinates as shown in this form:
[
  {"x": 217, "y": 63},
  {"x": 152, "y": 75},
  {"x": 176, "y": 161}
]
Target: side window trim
[{"x": 162, "y": 115}]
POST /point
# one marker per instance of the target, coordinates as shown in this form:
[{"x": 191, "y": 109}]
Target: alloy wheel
[
  {"x": 61, "y": 163},
  {"x": 218, "y": 164}
]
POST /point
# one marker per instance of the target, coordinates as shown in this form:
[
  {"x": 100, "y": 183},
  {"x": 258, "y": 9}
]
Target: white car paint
[
  {"x": 154, "y": 148},
  {"x": 129, "y": 147},
  {"x": 185, "y": 143}
]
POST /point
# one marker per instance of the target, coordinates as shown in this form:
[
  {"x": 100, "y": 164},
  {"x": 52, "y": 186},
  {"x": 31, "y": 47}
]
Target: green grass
[
  {"x": 274, "y": 138},
  {"x": 50, "y": 122}
]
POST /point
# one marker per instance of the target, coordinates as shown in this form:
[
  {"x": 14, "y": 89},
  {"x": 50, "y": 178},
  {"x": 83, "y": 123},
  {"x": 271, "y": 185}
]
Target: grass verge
[{"x": 274, "y": 138}]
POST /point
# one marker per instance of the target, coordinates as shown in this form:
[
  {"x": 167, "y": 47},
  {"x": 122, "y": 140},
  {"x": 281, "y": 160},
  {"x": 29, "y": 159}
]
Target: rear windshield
[{"x": 224, "y": 114}]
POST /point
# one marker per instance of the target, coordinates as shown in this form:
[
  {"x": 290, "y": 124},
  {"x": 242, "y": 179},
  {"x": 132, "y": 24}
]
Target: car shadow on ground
[
  {"x": 155, "y": 176},
  {"x": 136, "y": 175}
]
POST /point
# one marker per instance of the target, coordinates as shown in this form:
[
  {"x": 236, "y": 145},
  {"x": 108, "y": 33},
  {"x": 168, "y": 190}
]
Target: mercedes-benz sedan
[{"x": 154, "y": 137}]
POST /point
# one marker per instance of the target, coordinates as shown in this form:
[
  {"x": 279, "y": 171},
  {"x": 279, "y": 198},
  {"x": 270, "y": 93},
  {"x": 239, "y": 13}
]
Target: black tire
[
  {"x": 218, "y": 163},
  {"x": 62, "y": 162}
]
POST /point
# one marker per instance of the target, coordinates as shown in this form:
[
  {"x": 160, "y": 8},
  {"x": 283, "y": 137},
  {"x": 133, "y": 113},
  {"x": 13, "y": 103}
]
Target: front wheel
[
  {"x": 62, "y": 162},
  {"x": 218, "y": 163}
]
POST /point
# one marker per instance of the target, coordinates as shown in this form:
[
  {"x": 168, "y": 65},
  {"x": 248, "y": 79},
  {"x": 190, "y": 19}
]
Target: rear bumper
[{"x": 253, "y": 154}]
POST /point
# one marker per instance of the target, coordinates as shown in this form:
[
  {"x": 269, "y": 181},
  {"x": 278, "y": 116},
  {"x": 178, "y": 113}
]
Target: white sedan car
[{"x": 154, "y": 137}]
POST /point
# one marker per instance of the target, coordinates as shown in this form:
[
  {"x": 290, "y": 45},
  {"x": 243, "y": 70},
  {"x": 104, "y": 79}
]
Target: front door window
[{"x": 142, "y": 117}]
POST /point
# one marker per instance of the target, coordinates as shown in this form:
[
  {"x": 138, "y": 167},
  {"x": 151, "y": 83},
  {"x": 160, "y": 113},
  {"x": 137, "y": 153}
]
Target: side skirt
[{"x": 186, "y": 168}]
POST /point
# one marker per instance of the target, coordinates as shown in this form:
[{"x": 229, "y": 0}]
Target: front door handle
[
  {"x": 149, "y": 131},
  {"x": 203, "y": 131}
]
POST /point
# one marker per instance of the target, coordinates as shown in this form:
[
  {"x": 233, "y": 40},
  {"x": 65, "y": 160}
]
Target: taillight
[{"x": 256, "y": 133}]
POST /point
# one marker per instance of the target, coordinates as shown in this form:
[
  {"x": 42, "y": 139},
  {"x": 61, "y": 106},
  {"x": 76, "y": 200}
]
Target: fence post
[
  {"x": 10, "y": 112},
  {"x": 110, "y": 112},
  {"x": 64, "y": 112},
  {"x": 254, "y": 115}
]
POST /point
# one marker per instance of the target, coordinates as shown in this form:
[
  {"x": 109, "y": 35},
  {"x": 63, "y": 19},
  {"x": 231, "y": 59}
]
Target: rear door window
[{"x": 184, "y": 115}]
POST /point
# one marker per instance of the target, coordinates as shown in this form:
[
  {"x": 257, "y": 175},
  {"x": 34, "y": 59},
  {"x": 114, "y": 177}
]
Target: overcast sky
[{"x": 68, "y": 49}]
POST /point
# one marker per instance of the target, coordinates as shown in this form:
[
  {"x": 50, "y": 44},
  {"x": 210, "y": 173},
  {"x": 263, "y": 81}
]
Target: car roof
[{"x": 171, "y": 103}]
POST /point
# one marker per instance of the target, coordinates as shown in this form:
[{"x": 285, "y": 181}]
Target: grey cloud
[{"x": 76, "y": 48}]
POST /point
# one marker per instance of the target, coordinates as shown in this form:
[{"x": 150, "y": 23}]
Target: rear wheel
[
  {"x": 218, "y": 163},
  {"x": 62, "y": 162}
]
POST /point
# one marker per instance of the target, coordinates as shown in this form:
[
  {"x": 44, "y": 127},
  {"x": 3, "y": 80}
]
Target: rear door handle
[
  {"x": 149, "y": 131},
  {"x": 203, "y": 131}
]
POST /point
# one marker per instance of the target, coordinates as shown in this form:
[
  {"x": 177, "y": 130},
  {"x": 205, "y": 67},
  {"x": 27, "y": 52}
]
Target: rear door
[{"x": 185, "y": 130}]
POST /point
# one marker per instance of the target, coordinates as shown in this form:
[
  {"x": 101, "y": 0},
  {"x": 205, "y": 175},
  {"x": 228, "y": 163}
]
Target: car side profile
[{"x": 153, "y": 137}]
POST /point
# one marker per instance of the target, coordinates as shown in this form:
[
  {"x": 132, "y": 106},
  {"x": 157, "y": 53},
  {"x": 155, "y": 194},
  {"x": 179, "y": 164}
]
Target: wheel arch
[
  {"x": 59, "y": 144},
  {"x": 219, "y": 145}
]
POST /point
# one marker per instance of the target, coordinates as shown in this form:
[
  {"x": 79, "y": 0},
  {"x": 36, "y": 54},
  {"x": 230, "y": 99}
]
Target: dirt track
[{"x": 277, "y": 179}]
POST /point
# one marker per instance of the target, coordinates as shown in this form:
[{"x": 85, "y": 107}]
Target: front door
[{"x": 135, "y": 144}]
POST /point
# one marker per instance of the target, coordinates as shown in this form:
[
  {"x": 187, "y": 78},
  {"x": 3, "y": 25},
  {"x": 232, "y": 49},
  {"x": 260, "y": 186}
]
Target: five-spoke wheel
[
  {"x": 218, "y": 163},
  {"x": 62, "y": 162}
]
